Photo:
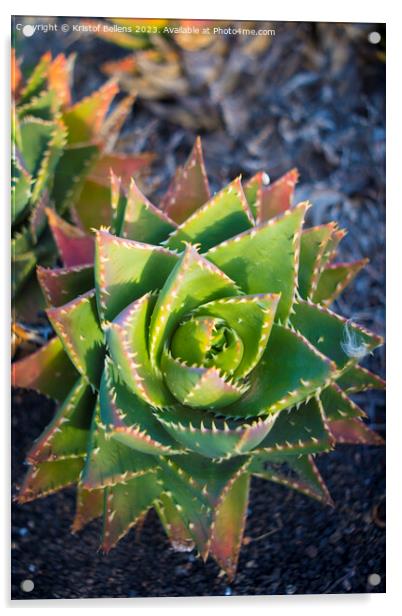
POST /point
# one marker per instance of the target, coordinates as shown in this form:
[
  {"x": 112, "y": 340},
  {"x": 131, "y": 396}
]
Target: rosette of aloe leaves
[{"x": 197, "y": 350}]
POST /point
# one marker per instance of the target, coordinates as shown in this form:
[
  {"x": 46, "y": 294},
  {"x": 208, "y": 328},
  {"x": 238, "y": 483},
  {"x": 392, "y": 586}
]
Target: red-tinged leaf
[
  {"x": 63, "y": 284},
  {"x": 124, "y": 65},
  {"x": 228, "y": 525},
  {"x": 49, "y": 371},
  {"x": 353, "y": 431},
  {"x": 58, "y": 77},
  {"x": 74, "y": 245},
  {"x": 333, "y": 280},
  {"x": 123, "y": 165},
  {"x": 189, "y": 188},
  {"x": 84, "y": 119},
  {"x": 89, "y": 506},
  {"x": 16, "y": 74},
  {"x": 273, "y": 199},
  {"x": 115, "y": 121},
  {"x": 49, "y": 477}
]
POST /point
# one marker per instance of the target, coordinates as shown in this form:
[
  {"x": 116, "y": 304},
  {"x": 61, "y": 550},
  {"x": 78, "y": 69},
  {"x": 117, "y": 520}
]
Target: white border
[{"x": 308, "y": 10}]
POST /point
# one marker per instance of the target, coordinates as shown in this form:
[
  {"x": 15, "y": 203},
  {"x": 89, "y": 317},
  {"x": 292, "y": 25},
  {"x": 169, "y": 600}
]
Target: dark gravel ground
[
  {"x": 314, "y": 98},
  {"x": 292, "y": 544}
]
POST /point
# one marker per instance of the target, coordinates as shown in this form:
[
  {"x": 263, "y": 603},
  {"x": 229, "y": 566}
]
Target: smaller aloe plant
[
  {"x": 196, "y": 351},
  {"x": 61, "y": 153}
]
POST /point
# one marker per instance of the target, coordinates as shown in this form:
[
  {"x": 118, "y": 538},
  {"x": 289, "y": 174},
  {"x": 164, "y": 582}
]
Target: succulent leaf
[
  {"x": 189, "y": 189},
  {"x": 334, "y": 278},
  {"x": 225, "y": 215},
  {"x": 77, "y": 325},
  {"x": 228, "y": 524},
  {"x": 126, "y": 270},
  {"x": 67, "y": 434},
  {"x": 48, "y": 371},
  {"x": 340, "y": 339},
  {"x": 265, "y": 259},
  {"x": 299, "y": 473}
]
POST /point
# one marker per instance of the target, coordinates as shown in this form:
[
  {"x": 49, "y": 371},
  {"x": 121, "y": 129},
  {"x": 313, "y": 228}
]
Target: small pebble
[
  {"x": 290, "y": 589},
  {"x": 311, "y": 551}
]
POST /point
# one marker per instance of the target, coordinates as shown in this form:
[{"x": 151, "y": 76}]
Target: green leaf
[
  {"x": 37, "y": 78},
  {"x": 192, "y": 282},
  {"x": 339, "y": 339},
  {"x": 70, "y": 174},
  {"x": 189, "y": 500},
  {"x": 93, "y": 205},
  {"x": 357, "y": 378},
  {"x": 63, "y": 284},
  {"x": 142, "y": 221},
  {"x": 251, "y": 316},
  {"x": 297, "y": 472},
  {"x": 67, "y": 434},
  {"x": 48, "y": 371},
  {"x": 265, "y": 259},
  {"x": 125, "y": 504},
  {"x": 84, "y": 119},
  {"x": 125, "y": 270},
  {"x": 334, "y": 279},
  {"x": 128, "y": 346},
  {"x": 49, "y": 477},
  {"x": 77, "y": 325},
  {"x": 36, "y": 135},
  {"x": 21, "y": 182},
  {"x": 109, "y": 462},
  {"x": 298, "y": 430},
  {"x": 129, "y": 420},
  {"x": 212, "y": 436},
  {"x": 197, "y": 386},
  {"x": 228, "y": 525},
  {"x": 189, "y": 188},
  {"x": 312, "y": 247},
  {"x": 290, "y": 370},
  {"x": 224, "y": 216},
  {"x": 193, "y": 339},
  {"x": 337, "y": 405},
  {"x": 173, "y": 523}
]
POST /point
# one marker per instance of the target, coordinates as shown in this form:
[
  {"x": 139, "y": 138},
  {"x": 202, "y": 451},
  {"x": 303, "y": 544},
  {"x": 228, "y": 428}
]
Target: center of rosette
[
  {"x": 200, "y": 360},
  {"x": 209, "y": 342}
]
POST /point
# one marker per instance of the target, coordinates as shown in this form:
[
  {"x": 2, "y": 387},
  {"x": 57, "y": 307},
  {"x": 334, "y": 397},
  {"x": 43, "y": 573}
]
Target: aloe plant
[
  {"x": 61, "y": 152},
  {"x": 196, "y": 351}
]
